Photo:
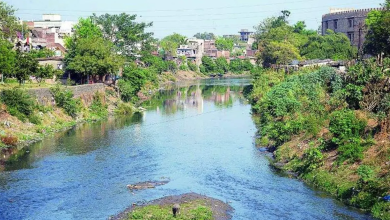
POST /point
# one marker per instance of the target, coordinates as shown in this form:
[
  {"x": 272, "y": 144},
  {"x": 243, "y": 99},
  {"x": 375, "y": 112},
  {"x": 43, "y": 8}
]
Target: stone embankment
[{"x": 85, "y": 92}]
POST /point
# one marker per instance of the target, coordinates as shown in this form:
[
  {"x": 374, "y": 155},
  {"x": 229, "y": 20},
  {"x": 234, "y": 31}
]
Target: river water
[{"x": 199, "y": 136}]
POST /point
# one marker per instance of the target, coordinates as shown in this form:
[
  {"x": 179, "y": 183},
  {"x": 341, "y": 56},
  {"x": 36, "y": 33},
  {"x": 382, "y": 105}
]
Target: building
[
  {"x": 210, "y": 49},
  {"x": 50, "y": 32},
  {"x": 193, "y": 50},
  {"x": 245, "y": 34},
  {"x": 349, "y": 22}
]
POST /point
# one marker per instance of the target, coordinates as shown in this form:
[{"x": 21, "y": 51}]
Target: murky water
[{"x": 199, "y": 136}]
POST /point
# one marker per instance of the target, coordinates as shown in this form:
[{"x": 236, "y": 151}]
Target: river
[{"x": 201, "y": 137}]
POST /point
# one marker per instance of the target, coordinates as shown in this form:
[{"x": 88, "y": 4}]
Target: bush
[
  {"x": 313, "y": 159},
  {"x": 9, "y": 140},
  {"x": 192, "y": 66},
  {"x": 10, "y": 80},
  {"x": 183, "y": 67},
  {"x": 97, "y": 107},
  {"x": 365, "y": 173},
  {"x": 35, "y": 119},
  {"x": 19, "y": 103},
  {"x": 381, "y": 210},
  {"x": 347, "y": 130},
  {"x": 124, "y": 109},
  {"x": 64, "y": 99}
]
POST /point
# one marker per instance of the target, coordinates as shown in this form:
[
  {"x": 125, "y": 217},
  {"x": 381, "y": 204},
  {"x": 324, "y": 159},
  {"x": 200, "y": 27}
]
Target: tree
[
  {"x": 133, "y": 80},
  {"x": 154, "y": 62},
  {"x": 279, "y": 53},
  {"x": 299, "y": 27},
  {"x": 209, "y": 65},
  {"x": 377, "y": 38},
  {"x": 222, "y": 65},
  {"x": 247, "y": 65},
  {"x": 205, "y": 36},
  {"x": 26, "y": 66},
  {"x": 94, "y": 56},
  {"x": 172, "y": 42},
  {"x": 224, "y": 44},
  {"x": 44, "y": 72},
  {"x": 89, "y": 53},
  {"x": 9, "y": 25},
  {"x": 42, "y": 53},
  {"x": 7, "y": 59},
  {"x": 236, "y": 66},
  {"x": 333, "y": 45},
  {"x": 125, "y": 34}
]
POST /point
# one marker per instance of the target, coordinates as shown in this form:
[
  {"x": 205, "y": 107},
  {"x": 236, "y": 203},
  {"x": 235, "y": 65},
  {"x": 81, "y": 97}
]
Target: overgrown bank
[
  {"x": 24, "y": 120},
  {"x": 331, "y": 128}
]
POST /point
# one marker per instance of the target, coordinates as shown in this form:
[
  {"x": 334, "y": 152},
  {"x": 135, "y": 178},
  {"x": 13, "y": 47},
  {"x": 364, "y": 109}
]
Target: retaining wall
[{"x": 85, "y": 92}]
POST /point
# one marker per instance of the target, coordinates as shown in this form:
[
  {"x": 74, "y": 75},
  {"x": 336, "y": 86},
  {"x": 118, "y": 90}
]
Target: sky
[{"x": 190, "y": 17}]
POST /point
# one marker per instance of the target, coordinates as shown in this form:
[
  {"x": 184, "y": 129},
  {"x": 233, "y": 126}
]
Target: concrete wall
[
  {"x": 85, "y": 92},
  {"x": 348, "y": 23}
]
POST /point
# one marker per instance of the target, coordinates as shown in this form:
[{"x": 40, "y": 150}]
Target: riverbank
[
  {"x": 324, "y": 135},
  {"x": 34, "y": 116},
  {"x": 192, "y": 206},
  {"x": 53, "y": 119}
]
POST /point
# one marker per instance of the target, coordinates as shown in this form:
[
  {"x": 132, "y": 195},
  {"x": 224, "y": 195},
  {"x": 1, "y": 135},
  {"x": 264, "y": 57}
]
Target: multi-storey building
[
  {"x": 349, "y": 22},
  {"x": 50, "y": 31}
]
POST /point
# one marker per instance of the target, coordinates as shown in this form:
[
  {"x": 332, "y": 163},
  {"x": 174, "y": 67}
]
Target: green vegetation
[
  {"x": 188, "y": 211},
  {"x": 18, "y": 102},
  {"x": 43, "y": 53},
  {"x": 9, "y": 23},
  {"x": 205, "y": 36},
  {"x": 224, "y": 44},
  {"x": 64, "y": 99},
  {"x": 378, "y": 23},
  {"x": 170, "y": 43},
  {"x": 326, "y": 126},
  {"x": 279, "y": 42}
]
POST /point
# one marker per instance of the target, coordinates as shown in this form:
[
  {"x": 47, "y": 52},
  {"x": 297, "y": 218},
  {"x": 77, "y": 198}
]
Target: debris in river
[{"x": 146, "y": 185}]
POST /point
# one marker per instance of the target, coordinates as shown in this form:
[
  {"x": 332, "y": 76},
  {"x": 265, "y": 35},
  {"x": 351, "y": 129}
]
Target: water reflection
[
  {"x": 179, "y": 98},
  {"x": 82, "y": 173},
  {"x": 78, "y": 140}
]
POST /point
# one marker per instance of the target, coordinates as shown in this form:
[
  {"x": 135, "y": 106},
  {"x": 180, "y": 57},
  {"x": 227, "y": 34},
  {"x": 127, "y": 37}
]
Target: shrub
[
  {"x": 124, "y": 109},
  {"x": 313, "y": 159},
  {"x": 183, "y": 67},
  {"x": 192, "y": 66},
  {"x": 9, "y": 140},
  {"x": 347, "y": 130},
  {"x": 381, "y": 210},
  {"x": 18, "y": 102},
  {"x": 64, "y": 99},
  {"x": 10, "y": 80},
  {"x": 365, "y": 173},
  {"x": 98, "y": 107},
  {"x": 35, "y": 119}
]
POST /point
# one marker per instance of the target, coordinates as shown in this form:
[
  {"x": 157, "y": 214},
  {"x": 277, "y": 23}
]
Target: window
[
  {"x": 351, "y": 37},
  {"x": 335, "y": 24},
  {"x": 350, "y": 22},
  {"x": 326, "y": 25}
]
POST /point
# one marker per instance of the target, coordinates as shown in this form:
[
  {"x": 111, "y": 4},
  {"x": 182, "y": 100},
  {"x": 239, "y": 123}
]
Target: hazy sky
[{"x": 189, "y": 17}]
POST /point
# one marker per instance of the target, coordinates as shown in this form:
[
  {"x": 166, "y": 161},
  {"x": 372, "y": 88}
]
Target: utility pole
[{"x": 361, "y": 28}]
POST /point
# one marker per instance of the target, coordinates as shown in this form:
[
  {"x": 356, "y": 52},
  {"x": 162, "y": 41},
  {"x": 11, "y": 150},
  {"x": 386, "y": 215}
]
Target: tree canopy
[
  {"x": 205, "y": 36},
  {"x": 377, "y": 38},
  {"x": 9, "y": 25},
  {"x": 89, "y": 53},
  {"x": 171, "y": 42},
  {"x": 279, "y": 42},
  {"x": 7, "y": 58},
  {"x": 224, "y": 43},
  {"x": 126, "y": 35}
]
